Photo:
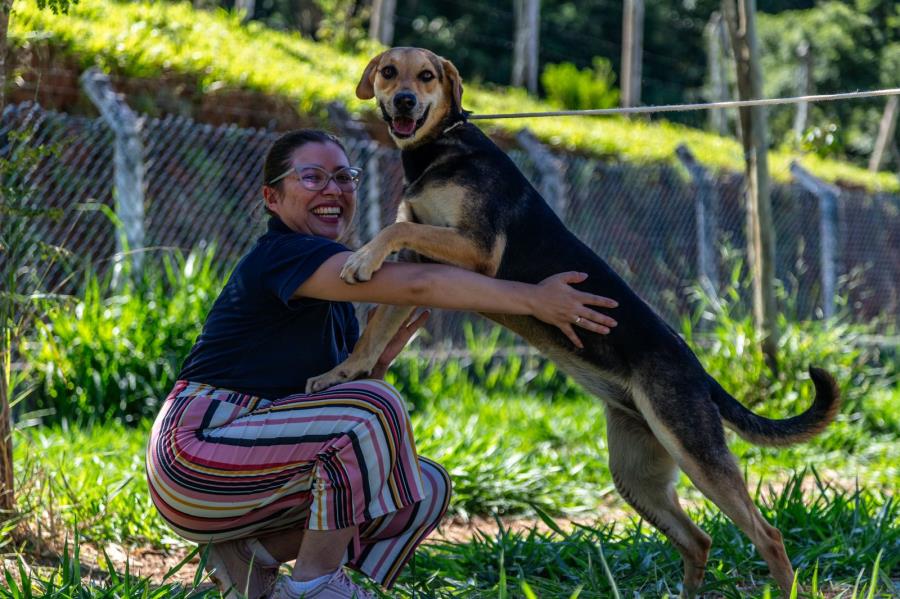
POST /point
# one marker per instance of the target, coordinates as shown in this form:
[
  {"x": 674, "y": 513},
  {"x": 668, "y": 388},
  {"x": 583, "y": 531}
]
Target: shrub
[
  {"x": 110, "y": 354},
  {"x": 568, "y": 87}
]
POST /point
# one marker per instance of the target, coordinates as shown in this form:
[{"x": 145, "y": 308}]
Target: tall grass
[{"x": 110, "y": 352}]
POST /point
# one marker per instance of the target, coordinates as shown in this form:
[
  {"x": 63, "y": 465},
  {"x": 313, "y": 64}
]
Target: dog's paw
[
  {"x": 335, "y": 376},
  {"x": 361, "y": 266}
]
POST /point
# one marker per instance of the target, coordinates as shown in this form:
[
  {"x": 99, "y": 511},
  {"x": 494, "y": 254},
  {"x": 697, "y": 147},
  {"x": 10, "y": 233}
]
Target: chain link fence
[{"x": 202, "y": 186}]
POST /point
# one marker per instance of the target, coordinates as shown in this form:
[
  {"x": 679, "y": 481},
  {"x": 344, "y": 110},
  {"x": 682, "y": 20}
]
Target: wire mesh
[{"x": 203, "y": 187}]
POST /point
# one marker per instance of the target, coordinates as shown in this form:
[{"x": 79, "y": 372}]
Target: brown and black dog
[{"x": 466, "y": 203}]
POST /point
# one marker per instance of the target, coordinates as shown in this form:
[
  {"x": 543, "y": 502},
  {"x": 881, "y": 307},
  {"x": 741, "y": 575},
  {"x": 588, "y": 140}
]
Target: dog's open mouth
[{"x": 404, "y": 126}]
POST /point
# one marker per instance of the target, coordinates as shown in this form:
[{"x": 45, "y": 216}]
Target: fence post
[
  {"x": 553, "y": 185},
  {"x": 828, "y": 222},
  {"x": 128, "y": 163},
  {"x": 348, "y": 128},
  {"x": 705, "y": 203}
]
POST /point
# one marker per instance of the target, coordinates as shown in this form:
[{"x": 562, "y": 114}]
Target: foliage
[
  {"x": 839, "y": 540},
  {"x": 66, "y": 581},
  {"x": 57, "y": 6},
  {"x": 848, "y": 52},
  {"x": 730, "y": 347},
  {"x": 573, "y": 88},
  {"x": 144, "y": 39},
  {"x": 112, "y": 353}
]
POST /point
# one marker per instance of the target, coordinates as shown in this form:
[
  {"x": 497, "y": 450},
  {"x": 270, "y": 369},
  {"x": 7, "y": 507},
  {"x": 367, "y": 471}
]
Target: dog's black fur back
[{"x": 539, "y": 245}]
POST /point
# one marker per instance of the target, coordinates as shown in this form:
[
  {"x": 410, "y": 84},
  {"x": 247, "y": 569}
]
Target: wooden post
[
  {"x": 760, "y": 231},
  {"x": 129, "y": 164},
  {"x": 716, "y": 44},
  {"x": 381, "y": 25},
  {"x": 552, "y": 186},
  {"x": 526, "y": 44},
  {"x": 828, "y": 223},
  {"x": 7, "y": 475},
  {"x": 804, "y": 88},
  {"x": 885, "y": 133},
  {"x": 705, "y": 202},
  {"x": 632, "y": 52}
]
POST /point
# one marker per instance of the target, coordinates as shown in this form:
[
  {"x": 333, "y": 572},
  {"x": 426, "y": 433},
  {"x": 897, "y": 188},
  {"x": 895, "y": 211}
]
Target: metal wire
[{"x": 689, "y": 107}]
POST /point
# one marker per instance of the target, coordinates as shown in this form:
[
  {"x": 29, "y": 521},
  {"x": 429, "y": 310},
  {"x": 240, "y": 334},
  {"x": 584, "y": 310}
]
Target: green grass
[
  {"x": 153, "y": 39},
  {"x": 506, "y": 454}
]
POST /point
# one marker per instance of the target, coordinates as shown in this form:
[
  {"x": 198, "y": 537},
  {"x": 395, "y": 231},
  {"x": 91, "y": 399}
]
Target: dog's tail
[{"x": 760, "y": 430}]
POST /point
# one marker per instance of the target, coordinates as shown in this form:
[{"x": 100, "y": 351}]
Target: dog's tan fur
[{"x": 664, "y": 411}]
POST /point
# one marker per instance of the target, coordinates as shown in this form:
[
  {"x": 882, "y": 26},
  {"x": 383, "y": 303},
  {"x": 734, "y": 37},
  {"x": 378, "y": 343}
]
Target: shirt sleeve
[{"x": 292, "y": 260}]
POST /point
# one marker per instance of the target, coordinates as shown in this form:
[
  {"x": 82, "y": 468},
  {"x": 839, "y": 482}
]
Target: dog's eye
[
  {"x": 426, "y": 76},
  {"x": 389, "y": 72}
]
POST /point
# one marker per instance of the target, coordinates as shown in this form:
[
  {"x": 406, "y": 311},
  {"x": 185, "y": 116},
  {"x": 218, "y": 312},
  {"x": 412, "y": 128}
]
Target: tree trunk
[
  {"x": 741, "y": 20},
  {"x": 5, "y": 9},
  {"x": 247, "y": 6},
  {"x": 632, "y": 52},
  {"x": 381, "y": 25},
  {"x": 7, "y": 481},
  {"x": 885, "y": 133},
  {"x": 716, "y": 42},
  {"x": 525, "y": 47}
]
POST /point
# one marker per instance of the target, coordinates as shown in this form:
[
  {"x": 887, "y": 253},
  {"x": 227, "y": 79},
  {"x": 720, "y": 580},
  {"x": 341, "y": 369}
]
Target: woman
[{"x": 240, "y": 458}]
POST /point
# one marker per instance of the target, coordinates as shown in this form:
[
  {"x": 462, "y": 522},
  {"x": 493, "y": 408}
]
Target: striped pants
[{"x": 223, "y": 465}]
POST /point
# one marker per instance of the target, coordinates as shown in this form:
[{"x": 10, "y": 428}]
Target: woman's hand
[
  {"x": 396, "y": 345},
  {"x": 556, "y": 302}
]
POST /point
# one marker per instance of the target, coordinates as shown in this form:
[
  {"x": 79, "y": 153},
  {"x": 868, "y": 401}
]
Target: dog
[{"x": 466, "y": 203}]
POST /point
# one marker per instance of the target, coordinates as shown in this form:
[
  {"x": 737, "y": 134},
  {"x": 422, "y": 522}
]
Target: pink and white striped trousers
[{"x": 224, "y": 465}]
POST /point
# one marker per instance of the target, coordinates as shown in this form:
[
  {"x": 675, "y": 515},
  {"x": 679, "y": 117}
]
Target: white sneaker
[{"x": 338, "y": 586}]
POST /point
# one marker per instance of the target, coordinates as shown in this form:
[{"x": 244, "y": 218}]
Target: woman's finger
[
  {"x": 593, "y": 326},
  {"x": 572, "y": 276},
  {"x": 570, "y": 333},
  {"x": 598, "y": 300},
  {"x": 599, "y": 317}
]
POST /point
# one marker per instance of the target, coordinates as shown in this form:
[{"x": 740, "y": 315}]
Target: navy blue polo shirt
[{"x": 256, "y": 339}]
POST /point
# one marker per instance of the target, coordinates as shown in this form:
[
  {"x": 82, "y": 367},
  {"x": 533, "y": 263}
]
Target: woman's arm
[{"x": 553, "y": 300}]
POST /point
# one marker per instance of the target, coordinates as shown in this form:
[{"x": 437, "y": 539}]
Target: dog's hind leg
[
  {"x": 644, "y": 474},
  {"x": 687, "y": 423}
]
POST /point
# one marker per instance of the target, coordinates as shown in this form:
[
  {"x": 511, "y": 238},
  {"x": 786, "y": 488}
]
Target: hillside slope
[{"x": 148, "y": 39}]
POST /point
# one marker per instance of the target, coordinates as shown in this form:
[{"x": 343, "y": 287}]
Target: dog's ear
[
  {"x": 365, "y": 89},
  {"x": 456, "y": 87}
]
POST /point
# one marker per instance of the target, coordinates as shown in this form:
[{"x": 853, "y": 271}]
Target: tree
[
  {"x": 9, "y": 218},
  {"x": 740, "y": 16}
]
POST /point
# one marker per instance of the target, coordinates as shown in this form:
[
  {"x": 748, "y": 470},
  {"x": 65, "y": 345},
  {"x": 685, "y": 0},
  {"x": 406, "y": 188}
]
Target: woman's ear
[
  {"x": 270, "y": 197},
  {"x": 365, "y": 89}
]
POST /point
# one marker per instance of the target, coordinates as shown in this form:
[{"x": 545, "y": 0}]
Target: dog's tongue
[{"x": 404, "y": 125}]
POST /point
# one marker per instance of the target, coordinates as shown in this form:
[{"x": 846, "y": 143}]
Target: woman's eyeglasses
[{"x": 316, "y": 178}]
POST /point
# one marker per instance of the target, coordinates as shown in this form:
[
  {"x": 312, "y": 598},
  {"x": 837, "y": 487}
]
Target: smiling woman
[{"x": 242, "y": 459}]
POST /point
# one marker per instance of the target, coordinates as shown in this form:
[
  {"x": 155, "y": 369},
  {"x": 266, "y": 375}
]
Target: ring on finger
[{"x": 577, "y": 319}]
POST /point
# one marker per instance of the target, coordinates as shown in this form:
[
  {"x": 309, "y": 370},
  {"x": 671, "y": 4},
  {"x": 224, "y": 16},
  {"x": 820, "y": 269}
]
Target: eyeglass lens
[{"x": 316, "y": 179}]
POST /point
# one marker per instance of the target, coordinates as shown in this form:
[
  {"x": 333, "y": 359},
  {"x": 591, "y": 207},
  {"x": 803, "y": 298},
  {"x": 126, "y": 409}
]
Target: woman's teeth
[{"x": 327, "y": 211}]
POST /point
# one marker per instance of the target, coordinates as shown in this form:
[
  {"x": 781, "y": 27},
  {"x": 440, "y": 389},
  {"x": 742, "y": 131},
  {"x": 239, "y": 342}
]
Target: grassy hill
[{"x": 147, "y": 39}]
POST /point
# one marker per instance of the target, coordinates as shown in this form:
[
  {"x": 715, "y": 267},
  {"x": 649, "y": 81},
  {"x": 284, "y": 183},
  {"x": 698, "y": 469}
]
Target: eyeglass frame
[{"x": 330, "y": 176}]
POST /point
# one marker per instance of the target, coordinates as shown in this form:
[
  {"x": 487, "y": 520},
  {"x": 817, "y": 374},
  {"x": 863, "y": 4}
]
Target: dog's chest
[{"x": 438, "y": 205}]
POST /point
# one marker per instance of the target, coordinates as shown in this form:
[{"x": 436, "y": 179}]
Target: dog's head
[{"x": 416, "y": 91}]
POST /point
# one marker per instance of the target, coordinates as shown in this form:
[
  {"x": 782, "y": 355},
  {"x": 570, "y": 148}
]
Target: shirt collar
[{"x": 277, "y": 226}]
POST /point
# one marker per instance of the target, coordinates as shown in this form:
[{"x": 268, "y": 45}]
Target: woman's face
[{"x": 324, "y": 213}]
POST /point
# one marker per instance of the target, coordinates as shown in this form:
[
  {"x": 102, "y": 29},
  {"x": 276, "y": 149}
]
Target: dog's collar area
[{"x": 453, "y": 126}]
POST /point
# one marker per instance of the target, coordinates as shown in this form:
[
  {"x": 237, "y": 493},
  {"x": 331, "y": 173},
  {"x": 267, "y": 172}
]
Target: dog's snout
[{"x": 405, "y": 101}]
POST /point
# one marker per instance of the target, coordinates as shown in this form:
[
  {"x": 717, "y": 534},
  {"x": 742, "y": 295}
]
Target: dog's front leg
[
  {"x": 381, "y": 328},
  {"x": 443, "y": 244}
]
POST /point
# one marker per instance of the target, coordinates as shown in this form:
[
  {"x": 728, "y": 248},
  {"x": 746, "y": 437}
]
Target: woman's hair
[{"x": 278, "y": 158}]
